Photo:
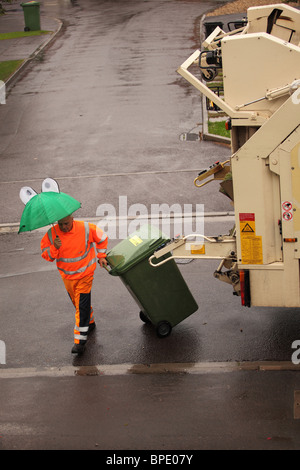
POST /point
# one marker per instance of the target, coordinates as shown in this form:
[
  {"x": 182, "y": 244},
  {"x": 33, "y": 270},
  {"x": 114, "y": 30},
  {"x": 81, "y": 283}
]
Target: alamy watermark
[
  {"x": 296, "y": 354},
  {"x": 2, "y": 352},
  {"x": 173, "y": 220},
  {"x": 2, "y": 92}
]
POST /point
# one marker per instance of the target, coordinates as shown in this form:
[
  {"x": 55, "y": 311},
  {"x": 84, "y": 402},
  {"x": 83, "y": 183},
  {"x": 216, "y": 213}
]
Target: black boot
[
  {"x": 92, "y": 326},
  {"x": 78, "y": 349}
]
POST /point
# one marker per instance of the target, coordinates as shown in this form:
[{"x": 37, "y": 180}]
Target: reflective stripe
[
  {"x": 81, "y": 328},
  {"x": 83, "y": 337},
  {"x": 87, "y": 234},
  {"x": 104, "y": 237},
  {"x": 74, "y": 260},
  {"x": 81, "y": 270},
  {"x": 48, "y": 251},
  {"x": 100, "y": 250},
  {"x": 50, "y": 236}
]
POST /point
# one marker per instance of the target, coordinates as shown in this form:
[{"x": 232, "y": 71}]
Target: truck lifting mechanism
[{"x": 260, "y": 63}]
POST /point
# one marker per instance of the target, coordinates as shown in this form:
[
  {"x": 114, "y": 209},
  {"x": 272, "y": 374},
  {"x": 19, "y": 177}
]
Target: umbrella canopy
[{"x": 47, "y": 208}]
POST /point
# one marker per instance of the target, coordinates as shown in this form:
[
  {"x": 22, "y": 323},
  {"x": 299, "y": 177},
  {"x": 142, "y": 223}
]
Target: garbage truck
[{"x": 260, "y": 68}]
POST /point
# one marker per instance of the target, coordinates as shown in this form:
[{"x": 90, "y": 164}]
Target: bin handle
[{"x": 110, "y": 270}]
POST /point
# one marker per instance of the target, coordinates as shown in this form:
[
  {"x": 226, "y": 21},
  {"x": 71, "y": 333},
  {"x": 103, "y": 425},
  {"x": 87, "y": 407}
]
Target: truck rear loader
[{"x": 260, "y": 63}]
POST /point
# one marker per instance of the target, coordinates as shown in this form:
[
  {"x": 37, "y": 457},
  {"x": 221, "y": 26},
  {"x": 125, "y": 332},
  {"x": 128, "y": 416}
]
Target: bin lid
[
  {"x": 138, "y": 246},
  {"x": 30, "y": 4}
]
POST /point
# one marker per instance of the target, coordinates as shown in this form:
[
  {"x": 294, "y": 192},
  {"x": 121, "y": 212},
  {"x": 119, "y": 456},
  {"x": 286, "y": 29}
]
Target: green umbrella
[{"x": 47, "y": 208}]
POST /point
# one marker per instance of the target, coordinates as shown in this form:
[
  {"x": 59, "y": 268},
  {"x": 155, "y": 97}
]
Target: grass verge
[
  {"x": 22, "y": 34},
  {"x": 8, "y": 67},
  {"x": 218, "y": 128}
]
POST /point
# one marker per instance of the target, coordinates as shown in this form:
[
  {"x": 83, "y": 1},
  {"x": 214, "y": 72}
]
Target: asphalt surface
[
  {"x": 224, "y": 378},
  {"x": 128, "y": 137}
]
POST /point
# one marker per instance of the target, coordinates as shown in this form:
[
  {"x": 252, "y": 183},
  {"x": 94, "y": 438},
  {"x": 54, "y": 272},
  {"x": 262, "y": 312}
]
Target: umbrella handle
[{"x": 54, "y": 229}]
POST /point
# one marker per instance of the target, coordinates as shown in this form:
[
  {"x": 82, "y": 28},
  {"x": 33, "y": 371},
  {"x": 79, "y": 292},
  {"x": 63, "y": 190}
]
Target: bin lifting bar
[
  {"x": 183, "y": 71},
  {"x": 218, "y": 169},
  {"x": 225, "y": 249}
]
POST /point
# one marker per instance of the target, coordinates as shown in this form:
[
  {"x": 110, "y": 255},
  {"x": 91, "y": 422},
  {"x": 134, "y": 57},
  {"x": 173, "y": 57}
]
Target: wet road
[
  {"x": 102, "y": 111},
  {"x": 220, "y": 331}
]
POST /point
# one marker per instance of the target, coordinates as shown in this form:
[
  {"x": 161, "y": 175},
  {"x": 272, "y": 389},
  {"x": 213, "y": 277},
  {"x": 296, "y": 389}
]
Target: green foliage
[
  {"x": 8, "y": 67},
  {"x": 21, "y": 34},
  {"x": 218, "y": 128}
]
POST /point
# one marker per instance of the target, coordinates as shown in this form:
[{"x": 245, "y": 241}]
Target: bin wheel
[
  {"x": 26, "y": 29},
  {"x": 144, "y": 318},
  {"x": 163, "y": 329}
]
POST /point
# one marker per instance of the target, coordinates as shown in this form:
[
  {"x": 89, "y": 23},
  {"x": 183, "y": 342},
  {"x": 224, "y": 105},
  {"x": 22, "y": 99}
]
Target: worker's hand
[
  {"x": 57, "y": 242},
  {"x": 102, "y": 262}
]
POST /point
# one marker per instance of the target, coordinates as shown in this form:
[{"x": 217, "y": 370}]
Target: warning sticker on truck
[
  {"x": 251, "y": 244},
  {"x": 247, "y": 228},
  {"x": 252, "y": 250}
]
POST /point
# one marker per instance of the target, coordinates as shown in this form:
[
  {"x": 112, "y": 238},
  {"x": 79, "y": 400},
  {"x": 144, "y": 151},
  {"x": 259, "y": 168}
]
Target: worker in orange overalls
[{"x": 71, "y": 244}]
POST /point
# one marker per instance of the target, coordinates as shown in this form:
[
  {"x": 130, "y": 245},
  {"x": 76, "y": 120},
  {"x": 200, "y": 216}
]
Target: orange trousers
[{"x": 79, "y": 291}]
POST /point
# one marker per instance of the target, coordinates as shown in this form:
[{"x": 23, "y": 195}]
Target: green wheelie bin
[
  {"x": 31, "y": 12},
  {"x": 161, "y": 293}
]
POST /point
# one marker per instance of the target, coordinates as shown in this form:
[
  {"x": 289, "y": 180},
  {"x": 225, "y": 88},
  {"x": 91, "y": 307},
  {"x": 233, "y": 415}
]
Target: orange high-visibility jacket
[{"x": 76, "y": 258}]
